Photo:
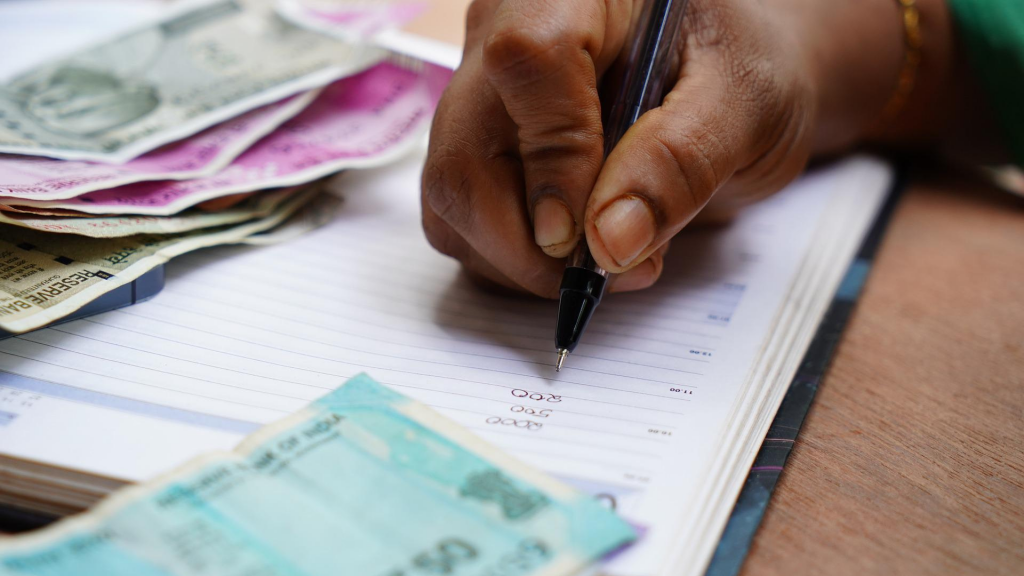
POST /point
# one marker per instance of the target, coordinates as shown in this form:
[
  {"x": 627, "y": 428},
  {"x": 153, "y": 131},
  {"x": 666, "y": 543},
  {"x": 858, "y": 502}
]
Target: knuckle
[
  {"x": 692, "y": 154},
  {"x": 522, "y": 55},
  {"x": 563, "y": 142}
]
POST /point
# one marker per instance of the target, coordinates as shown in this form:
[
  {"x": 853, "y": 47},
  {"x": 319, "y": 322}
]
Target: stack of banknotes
[
  {"x": 216, "y": 124},
  {"x": 363, "y": 482}
]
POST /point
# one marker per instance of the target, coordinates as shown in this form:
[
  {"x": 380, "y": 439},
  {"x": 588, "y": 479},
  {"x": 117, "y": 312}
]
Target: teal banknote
[{"x": 363, "y": 482}]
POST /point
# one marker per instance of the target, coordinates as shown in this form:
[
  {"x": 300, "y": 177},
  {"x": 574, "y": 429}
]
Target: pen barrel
[
  {"x": 579, "y": 295},
  {"x": 644, "y": 70},
  {"x": 640, "y": 76}
]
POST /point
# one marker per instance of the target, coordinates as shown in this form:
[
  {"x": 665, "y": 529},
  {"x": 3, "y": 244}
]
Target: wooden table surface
[{"x": 912, "y": 458}]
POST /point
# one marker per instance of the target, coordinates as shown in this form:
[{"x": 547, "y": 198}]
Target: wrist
[
  {"x": 856, "y": 49},
  {"x": 860, "y": 54}
]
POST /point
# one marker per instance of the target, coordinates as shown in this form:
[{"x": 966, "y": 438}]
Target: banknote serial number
[
  {"x": 445, "y": 557},
  {"x": 525, "y": 559},
  {"x": 451, "y": 555}
]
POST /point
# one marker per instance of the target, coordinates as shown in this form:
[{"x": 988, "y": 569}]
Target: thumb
[{"x": 669, "y": 164}]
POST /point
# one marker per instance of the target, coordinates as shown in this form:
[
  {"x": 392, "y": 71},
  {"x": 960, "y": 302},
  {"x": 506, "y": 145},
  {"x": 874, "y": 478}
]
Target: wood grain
[{"x": 912, "y": 459}]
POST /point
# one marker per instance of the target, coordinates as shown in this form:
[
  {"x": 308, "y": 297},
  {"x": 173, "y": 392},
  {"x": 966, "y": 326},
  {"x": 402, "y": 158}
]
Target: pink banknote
[
  {"x": 349, "y": 19},
  {"x": 205, "y": 153},
  {"x": 358, "y": 122}
]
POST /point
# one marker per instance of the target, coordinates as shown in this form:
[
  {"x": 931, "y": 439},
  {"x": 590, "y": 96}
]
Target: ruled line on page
[
  {"x": 340, "y": 376},
  {"x": 347, "y": 271},
  {"x": 546, "y": 338},
  {"x": 405, "y": 254},
  {"x": 145, "y": 384},
  {"x": 454, "y": 365},
  {"x": 650, "y": 455},
  {"x": 442, "y": 408},
  {"x": 337, "y": 375},
  {"x": 191, "y": 361},
  {"x": 546, "y": 438},
  {"x": 175, "y": 374},
  {"x": 559, "y": 425},
  {"x": 580, "y": 398},
  {"x": 573, "y": 458},
  {"x": 337, "y": 330},
  {"x": 695, "y": 276},
  {"x": 377, "y": 285},
  {"x": 357, "y": 265},
  {"x": 560, "y": 409},
  {"x": 368, "y": 297}
]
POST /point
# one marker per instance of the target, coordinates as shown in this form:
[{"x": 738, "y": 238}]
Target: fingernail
[
  {"x": 626, "y": 228},
  {"x": 553, "y": 224}
]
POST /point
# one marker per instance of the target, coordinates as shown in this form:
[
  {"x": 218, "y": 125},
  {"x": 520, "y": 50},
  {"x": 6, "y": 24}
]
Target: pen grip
[{"x": 579, "y": 295}]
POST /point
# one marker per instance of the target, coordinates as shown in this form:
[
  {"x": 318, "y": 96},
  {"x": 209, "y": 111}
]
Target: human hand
[{"x": 514, "y": 176}]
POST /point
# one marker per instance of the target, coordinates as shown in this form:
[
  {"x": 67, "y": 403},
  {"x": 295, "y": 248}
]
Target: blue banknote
[{"x": 363, "y": 482}]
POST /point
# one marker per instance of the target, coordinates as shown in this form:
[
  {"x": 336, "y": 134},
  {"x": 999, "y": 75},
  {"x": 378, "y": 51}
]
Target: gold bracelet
[{"x": 911, "y": 61}]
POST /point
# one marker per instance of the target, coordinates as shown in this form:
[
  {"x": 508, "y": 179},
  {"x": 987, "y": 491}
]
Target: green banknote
[
  {"x": 318, "y": 212},
  {"x": 257, "y": 205},
  {"x": 201, "y": 65},
  {"x": 44, "y": 276},
  {"x": 363, "y": 482}
]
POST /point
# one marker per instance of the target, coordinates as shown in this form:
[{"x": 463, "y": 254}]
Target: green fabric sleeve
[{"x": 993, "y": 31}]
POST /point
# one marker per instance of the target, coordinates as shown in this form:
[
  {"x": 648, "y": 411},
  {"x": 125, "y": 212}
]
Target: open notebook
[{"x": 660, "y": 411}]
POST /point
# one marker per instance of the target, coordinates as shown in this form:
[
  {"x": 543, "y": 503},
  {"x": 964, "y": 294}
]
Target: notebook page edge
[{"x": 880, "y": 176}]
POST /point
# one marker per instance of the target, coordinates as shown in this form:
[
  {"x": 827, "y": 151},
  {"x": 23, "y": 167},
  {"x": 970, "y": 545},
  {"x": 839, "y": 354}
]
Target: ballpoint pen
[{"x": 643, "y": 74}]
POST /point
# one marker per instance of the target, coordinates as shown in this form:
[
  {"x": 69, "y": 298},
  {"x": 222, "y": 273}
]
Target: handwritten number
[
  {"x": 525, "y": 424},
  {"x": 537, "y": 396},
  {"x": 540, "y": 412}
]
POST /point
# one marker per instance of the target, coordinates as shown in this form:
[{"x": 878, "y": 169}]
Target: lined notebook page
[{"x": 246, "y": 335}]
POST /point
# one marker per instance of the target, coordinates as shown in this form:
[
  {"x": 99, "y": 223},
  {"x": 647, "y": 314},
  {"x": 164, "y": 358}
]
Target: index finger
[{"x": 544, "y": 59}]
